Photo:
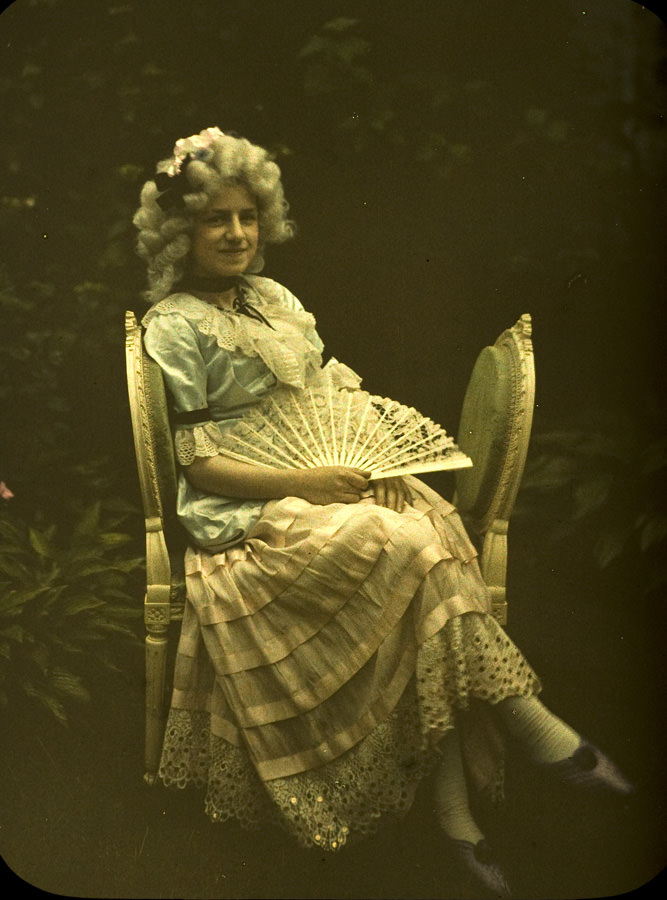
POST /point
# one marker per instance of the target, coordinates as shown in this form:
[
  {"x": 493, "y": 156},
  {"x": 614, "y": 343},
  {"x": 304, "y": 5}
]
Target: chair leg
[
  {"x": 156, "y": 662},
  {"x": 494, "y": 567}
]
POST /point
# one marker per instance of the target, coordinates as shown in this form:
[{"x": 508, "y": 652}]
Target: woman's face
[{"x": 225, "y": 235}]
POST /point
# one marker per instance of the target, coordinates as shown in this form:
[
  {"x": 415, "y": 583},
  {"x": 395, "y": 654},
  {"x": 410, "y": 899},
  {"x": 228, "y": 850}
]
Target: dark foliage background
[{"x": 450, "y": 166}]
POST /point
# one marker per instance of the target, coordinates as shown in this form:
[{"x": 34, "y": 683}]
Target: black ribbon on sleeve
[{"x": 193, "y": 416}]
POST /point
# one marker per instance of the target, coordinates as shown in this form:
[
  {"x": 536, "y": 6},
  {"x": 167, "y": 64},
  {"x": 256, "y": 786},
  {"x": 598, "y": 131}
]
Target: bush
[
  {"x": 63, "y": 595},
  {"x": 604, "y": 486}
]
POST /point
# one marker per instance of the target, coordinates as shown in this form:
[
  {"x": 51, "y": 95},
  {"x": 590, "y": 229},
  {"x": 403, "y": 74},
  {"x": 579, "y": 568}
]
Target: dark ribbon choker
[{"x": 210, "y": 285}]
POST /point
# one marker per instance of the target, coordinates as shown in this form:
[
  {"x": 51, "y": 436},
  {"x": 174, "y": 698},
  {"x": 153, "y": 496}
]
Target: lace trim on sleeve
[{"x": 196, "y": 440}]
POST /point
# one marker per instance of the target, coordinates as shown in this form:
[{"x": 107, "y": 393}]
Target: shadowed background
[{"x": 450, "y": 166}]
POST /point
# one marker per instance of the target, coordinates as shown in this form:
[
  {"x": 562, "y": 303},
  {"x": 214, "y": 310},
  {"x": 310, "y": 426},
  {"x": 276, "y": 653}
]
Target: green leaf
[
  {"x": 88, "y": 524},
  {"x": 14, "y": 633},
  {"x": 549, "y": 472},
  {"x": 536, "y": 116},
  {"x": 116, "y": 628},
  {"x": 654, "y": 531},
  {"x": 15, "y": 569},
  {"x": 460, "y": 151},
  {"x": 350, "y": 48},
  {"x": 114, "y": 538},
  {"x": 590, "y": 495},
  {"x": 40, "y": 656},
  {"x": 69, "y": 685},
  {"x": 657, "y": 581},
  {"x": 130, "y": 565},
  {"x": 82, "y": 604},
  {"x": 95, "y": 568},
  {"x": 66, "y": 646},
  {"x": 655, "y": 457},
  {"x": 122, "y": 612},
  {"x": 558, "y": 130},
  {"x": 12, "y": 603},
  {"x": 41, "y": 544},
  {"x": 316, "y": 44},
  {"x": 38, "y": 692},
  {"x": 341, "y": 23},
  {"x": 50, "y": 595},
  {"x": 610, "y": 545}
]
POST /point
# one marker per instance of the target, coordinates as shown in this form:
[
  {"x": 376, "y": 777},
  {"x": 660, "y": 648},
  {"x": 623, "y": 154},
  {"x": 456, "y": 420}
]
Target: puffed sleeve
[{"x": 172, "y": 342}]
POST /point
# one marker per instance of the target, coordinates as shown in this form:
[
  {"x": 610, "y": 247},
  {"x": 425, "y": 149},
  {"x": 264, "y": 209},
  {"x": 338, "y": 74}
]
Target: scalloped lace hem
[
  {"x": 326, "y": 807},
  {"x": 470, "y": 659}
]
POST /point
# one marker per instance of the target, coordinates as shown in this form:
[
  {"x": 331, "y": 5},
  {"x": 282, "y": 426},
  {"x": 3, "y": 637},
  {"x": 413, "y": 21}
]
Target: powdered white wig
[{"x": 200, "y": 166}]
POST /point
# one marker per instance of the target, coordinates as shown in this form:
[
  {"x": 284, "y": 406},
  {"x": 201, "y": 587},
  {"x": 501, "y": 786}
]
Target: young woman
[{"x": 337, "y": 644}]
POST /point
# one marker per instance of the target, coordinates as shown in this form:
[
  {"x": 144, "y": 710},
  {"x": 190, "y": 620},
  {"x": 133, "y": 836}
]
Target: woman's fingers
[
  {"x": 380, "y": 491},
  {"x": 391, "y": 492},
  {"x": 358, "y": 479},
  {"x": 342, "y": 484},
  {"x": 403, "y": 494}
]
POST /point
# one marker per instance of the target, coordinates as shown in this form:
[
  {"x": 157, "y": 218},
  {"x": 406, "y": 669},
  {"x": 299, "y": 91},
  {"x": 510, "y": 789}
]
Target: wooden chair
[{"x": 494, "y": 430}]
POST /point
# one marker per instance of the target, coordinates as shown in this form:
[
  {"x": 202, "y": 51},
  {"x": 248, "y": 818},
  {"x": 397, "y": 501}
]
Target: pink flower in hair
[
  {"x": 5, "y": 493},
  {"x": 197, "y": 145}
]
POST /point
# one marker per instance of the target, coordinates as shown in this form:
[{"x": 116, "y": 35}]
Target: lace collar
[{"x": 291, "y": 348}]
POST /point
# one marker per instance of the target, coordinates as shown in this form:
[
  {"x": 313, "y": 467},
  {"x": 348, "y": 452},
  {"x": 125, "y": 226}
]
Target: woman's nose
[{"x": 234, "y": 230}]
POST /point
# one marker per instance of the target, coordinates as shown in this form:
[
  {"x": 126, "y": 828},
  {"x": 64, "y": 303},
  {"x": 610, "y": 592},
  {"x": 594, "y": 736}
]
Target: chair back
[
  {"x": 153, "y": 441},
  {"x": 156, "y": 466},
  {"x": 494, "y": 430}
]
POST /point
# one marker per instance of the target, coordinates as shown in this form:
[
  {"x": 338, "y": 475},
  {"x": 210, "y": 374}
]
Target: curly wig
[{"x": 204, "y": 164}]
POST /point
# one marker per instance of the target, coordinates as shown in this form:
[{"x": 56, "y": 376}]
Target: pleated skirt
[{"x": 322, "y": 659}]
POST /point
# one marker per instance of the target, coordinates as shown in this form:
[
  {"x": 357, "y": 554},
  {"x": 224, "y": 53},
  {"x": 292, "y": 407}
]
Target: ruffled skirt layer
[{"x": 322, "y": 659}]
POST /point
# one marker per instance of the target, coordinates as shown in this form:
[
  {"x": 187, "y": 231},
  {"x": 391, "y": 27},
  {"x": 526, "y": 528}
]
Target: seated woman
[{"x": 337, "y": 644}]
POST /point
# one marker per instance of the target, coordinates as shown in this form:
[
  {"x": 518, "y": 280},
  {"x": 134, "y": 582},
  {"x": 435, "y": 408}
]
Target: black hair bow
[{"x": 173, "y": 188}]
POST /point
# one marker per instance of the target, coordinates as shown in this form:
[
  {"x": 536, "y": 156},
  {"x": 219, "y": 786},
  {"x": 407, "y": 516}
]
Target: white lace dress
[{"x": 324, "y": 650}]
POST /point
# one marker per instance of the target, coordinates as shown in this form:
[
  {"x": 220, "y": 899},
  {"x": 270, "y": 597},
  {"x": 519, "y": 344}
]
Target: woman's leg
[
  {"x": 451, "y": 793},
  {"x": 465, "y": 838},
  {"x": 551, "y": 742},
  {"x": 546, "y": 738}
]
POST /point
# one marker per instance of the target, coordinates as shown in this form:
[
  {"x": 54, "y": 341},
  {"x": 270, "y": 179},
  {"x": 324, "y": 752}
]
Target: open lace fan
[{"x": 323, "y": 426}]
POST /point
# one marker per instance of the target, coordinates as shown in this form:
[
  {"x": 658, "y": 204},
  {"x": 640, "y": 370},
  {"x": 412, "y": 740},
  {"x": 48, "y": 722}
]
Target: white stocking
[
  {"x": 546, "y": 737},
  {"x": 451, "y": 794}
]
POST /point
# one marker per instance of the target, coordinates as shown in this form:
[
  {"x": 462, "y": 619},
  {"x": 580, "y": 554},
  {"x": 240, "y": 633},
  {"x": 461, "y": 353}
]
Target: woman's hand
[
  {"x": 331, "y": 484},
  {"x": 391, "y": 492}
]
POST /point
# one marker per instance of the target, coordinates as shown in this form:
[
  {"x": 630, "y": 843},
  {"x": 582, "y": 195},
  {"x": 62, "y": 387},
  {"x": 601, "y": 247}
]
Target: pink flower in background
[{"x": 5, "y": 493}]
